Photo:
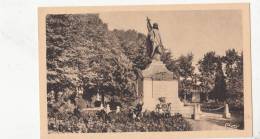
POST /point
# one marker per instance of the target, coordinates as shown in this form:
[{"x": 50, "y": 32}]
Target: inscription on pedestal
[{"x": 167, "y": 89}]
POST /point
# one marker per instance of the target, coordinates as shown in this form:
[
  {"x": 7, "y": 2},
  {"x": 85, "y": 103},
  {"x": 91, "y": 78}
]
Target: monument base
[
  {"x": 226, "y": 113},
  {"x": 158, "y": 82}
]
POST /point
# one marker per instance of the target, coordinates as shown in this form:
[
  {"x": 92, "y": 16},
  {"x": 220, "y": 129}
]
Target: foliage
[
  {"x": 207, "y": 67},
  {"x": 99, "y": 121},
  {"x": 186, "y": 69},
  {"x": 234, "y": 78},
  {"x": 231, "y": 71},
  {"x": 186, "y": 72},
  {"x": 163, "y": 107},
  {"x": 73, "y": 119},
  {"x": 219, "y": 90},
  {"x": 133, "y": 45},
  {"x": 81, "y": 51}
]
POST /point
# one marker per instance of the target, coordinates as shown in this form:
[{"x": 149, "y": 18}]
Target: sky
[{"x": 186, "y": 32}]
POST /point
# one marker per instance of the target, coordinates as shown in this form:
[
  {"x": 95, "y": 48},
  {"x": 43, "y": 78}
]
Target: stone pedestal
[
  {"x": 226, "y": 113},
  {"x": 158, "y": 82},
  {"x": 199, "y": 109},
  {"x": 196, "y": 112}
]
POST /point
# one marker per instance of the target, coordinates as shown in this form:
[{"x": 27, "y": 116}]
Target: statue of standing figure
[{"x": 154, "y": 42}]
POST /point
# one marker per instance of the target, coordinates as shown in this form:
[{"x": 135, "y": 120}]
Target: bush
[
  {"x": 66, "y": 116},
  {"x": 99, "y": 121},
  {"x": 236, "y": 102}
]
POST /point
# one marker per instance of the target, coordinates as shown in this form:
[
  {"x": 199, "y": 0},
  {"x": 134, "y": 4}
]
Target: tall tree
[
  {"x": 185, "y": 71},
  {"x": 220, "y": 90},
  {"x": 234, "y": 77},
  {"x": 81, "y": 50},
  {"x": 133, "y": 45},
  {"x": 207, "y": 67},
  {"x": 234, "y": 70}
]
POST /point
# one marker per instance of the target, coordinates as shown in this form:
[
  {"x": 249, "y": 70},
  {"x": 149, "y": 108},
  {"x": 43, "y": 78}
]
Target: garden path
[{"x": 210, "y": 121}]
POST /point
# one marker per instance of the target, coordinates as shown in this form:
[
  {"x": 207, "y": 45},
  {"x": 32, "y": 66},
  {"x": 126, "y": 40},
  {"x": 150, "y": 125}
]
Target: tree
[
  {"x": 57, "y": 42},
  {"x": 234, "y": 70},
  {"x": 82, "y": 51},
  {"x": 220, "y": 90},
  {"x": 234, "y": 77},
  {"x": 185, "y": 71},
  {"x": 133, "y": 45},
  {"x": 207, "y": 67}
]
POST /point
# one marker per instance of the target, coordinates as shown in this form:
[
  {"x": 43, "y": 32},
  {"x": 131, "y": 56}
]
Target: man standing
[{"x": 154, "y": 42}]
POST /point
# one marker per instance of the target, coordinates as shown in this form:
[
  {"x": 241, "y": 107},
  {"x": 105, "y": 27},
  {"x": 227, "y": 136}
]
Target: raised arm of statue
[{"x": 149, "y": 25}]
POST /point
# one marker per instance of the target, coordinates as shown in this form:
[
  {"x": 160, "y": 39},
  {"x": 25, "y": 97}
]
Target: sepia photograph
[{"x": 176, "y": 70}]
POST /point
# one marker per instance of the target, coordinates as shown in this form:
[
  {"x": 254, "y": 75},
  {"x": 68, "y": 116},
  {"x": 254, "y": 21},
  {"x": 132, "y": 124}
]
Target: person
[{"x": 154, "y": 41}]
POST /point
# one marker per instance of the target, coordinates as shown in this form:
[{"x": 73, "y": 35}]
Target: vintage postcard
[{"x": 166, "y": 71}]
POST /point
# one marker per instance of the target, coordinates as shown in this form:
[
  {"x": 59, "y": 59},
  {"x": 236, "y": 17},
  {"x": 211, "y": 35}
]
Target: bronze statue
[{"x": 154, "y": 42}]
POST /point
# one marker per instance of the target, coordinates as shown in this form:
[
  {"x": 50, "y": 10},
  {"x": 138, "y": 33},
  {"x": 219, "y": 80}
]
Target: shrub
[
  {"x": 66, "y": 116},
  {"x": 99, "y": 121}
]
